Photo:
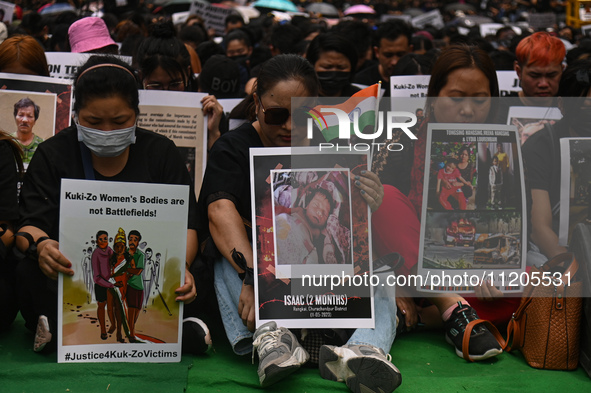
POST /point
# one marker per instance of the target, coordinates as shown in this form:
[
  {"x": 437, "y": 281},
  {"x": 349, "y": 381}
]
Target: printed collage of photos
[{"x": 473, "y": 201}]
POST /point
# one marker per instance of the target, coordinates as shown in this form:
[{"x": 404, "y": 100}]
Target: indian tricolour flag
[{"x": 362, "y": 105}]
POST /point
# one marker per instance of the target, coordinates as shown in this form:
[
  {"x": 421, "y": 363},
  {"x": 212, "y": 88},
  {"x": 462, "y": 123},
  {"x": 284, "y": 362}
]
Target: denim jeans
[
  {"x": 384, "y": 333},
  {"x": 227, "y": 289},
  {"x": 228, "y": 286}
]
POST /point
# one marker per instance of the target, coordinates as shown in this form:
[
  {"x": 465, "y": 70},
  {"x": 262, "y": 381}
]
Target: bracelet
[
  {"x": 41, "y": 240},
  {"x": 31, "y": 251},
  {"x": 247, "y": 276},
  {"x": 27, "y": 236}
]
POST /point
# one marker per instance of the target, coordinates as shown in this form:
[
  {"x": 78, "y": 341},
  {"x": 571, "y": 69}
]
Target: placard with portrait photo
[{"x": 310, "y": 227}]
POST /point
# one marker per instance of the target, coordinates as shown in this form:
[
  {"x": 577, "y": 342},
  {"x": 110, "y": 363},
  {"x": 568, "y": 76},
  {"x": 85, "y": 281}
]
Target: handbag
[{"x": 546, "y": 326}]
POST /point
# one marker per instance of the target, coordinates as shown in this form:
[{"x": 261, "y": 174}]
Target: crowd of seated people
[{"x": 262, "y": 64}]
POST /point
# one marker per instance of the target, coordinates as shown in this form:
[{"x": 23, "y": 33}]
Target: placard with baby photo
[{"x": 311, "y": 229}]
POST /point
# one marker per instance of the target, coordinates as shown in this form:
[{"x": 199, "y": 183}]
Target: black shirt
[
  {"x": 541, "y": 160},
  {"x": 8, "y": 183},
  {"x": 227, "y": 175},
  {"x": 371, "y": 75},
  {"x": 152, "y": 159}
]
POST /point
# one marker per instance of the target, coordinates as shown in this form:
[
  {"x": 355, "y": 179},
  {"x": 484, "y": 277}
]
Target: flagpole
[{"x": 377, "y": 114}]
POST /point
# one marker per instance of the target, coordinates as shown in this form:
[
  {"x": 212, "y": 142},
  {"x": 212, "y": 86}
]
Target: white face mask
[{"x": 106, "y": 143}]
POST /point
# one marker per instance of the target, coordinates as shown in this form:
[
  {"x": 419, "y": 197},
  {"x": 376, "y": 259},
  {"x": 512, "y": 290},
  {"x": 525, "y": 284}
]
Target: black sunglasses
[{"x": 275, "y": 116}]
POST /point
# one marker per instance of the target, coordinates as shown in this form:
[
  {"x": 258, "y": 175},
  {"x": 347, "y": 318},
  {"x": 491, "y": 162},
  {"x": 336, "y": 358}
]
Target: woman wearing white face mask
[{"x": 103, "y": 144}]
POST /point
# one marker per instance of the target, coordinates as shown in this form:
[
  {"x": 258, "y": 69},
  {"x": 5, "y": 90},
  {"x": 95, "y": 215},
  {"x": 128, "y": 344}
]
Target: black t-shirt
[
  {"x": 512, "y": 99},
  {"x": 504, "y": 103},
  {"x": 152, "y": 159},
  {"x": 227, "y": 175},
  {"x": 541, "y": 159},
  {"x": 349, "y": 90},
  {"x": 371, "y": 75},
  {"x": 8, "y": 183}
]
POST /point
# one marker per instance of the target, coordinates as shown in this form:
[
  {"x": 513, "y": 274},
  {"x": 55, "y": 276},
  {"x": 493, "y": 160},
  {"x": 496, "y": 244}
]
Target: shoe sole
[
  {"x": 42, "y": 334},
  {"x": 488, "y": 354},
  {"x": 207, "y": 342},
  {"x": 363, "y": 374},
  {"x": 274, "y": 373}
]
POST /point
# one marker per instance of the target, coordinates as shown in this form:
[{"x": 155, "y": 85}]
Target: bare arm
[
  {"x": 464, "y": 181},
  {"x": 214, "y": 111},
  {"x": 228, "y": 232},
  {"x": 188, "y": 292},
  {"x": 541, "y": 218},
  {"x": 7, "y": 237}
]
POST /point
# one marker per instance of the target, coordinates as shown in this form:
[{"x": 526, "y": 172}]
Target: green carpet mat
[
  {"x": 426, "y": 361},
  {"x": 24, "y": 371}
]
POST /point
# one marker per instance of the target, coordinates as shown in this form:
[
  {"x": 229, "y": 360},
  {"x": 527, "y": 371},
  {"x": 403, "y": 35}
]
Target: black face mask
[
  {"x": 332, "y": 82},
  {"x": 240, "y": 59}
]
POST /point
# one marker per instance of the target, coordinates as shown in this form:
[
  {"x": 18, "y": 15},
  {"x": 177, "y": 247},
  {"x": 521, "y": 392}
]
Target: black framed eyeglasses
[{"x": 275, "y": 116}]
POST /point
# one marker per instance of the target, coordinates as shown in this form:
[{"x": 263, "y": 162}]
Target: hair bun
[{"x": 163, "y": 30}]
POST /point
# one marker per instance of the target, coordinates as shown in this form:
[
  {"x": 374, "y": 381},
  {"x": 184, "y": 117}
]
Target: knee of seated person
[{"x": 394, "y": 203}]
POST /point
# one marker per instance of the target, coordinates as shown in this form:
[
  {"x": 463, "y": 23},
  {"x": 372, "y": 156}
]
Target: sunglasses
[{"x": 275, "y": 116}]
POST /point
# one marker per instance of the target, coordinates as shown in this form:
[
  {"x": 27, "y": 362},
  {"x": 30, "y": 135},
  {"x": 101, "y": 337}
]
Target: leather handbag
[{"x": 546, "y": 326}]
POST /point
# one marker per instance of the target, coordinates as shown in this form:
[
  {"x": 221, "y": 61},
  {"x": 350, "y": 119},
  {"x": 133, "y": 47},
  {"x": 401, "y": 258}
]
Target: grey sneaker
[
  {"x": 279, "y": 351},
  {"x": 363, "y": 368},
  {"x": 42, "y": 335}
]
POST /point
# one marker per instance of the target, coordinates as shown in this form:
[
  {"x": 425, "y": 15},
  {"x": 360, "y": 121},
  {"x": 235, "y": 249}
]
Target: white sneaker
[{"x": 280, "y": 353}]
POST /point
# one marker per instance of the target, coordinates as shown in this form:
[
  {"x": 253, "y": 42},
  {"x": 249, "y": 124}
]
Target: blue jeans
[
  {"x": 227, "y": 289},
  {"x": 228, "y": 286},
  {"x": 384, "y": 333}
]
